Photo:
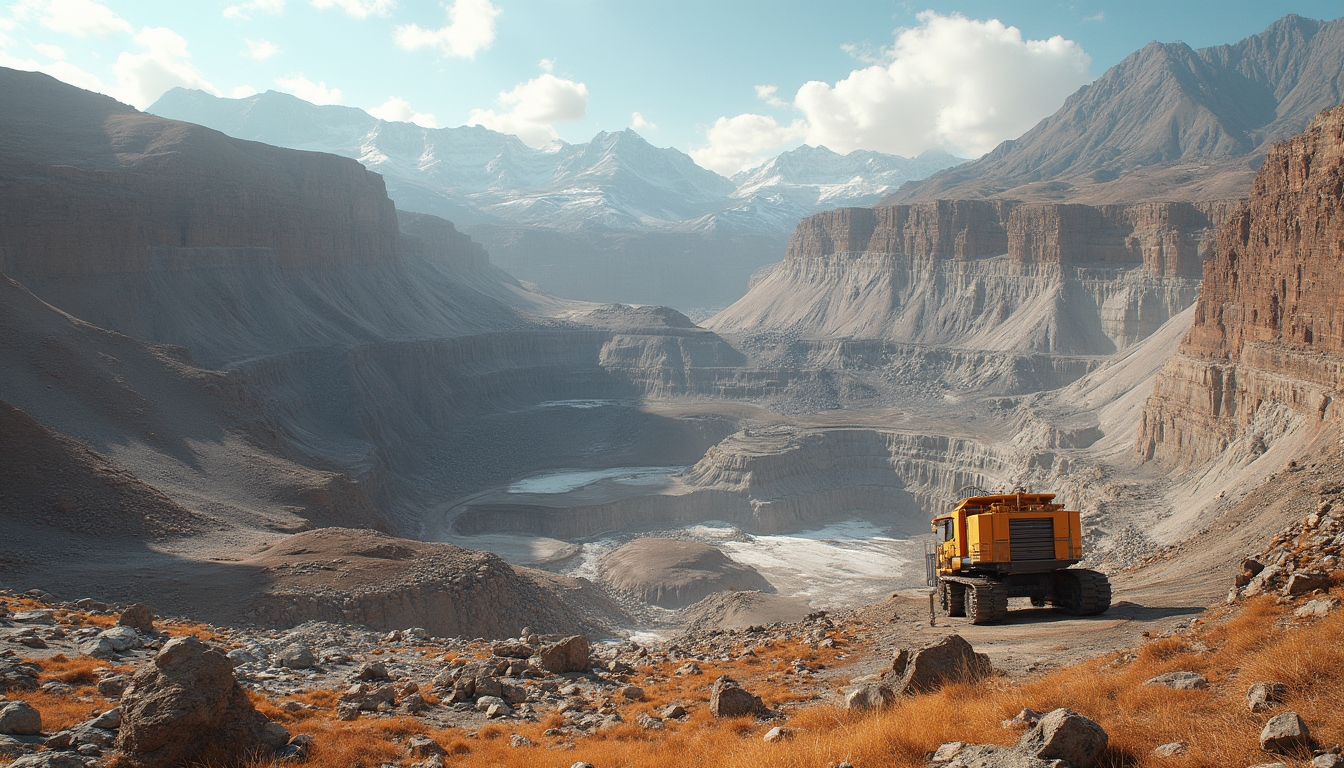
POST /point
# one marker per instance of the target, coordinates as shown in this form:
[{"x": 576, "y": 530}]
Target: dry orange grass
[
  {"x": 1234, "y": 649},
  {"x": 62, "y": 710}
]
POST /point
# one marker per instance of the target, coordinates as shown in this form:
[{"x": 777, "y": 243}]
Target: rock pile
[{"x": 1301, "y": 559}]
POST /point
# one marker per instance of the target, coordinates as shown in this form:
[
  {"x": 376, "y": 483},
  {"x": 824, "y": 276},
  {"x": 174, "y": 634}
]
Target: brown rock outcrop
[
  {"x": 729, "y": 699},
  {"x": 949, "y": 660},
  {"x": 187, "y": 707},
  {"x": 567, "y": 655},
  {"x": 1267, "y": 329}
]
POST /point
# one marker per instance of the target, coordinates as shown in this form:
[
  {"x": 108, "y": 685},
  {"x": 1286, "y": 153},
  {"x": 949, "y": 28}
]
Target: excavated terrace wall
[{"x": 782, "y": 479}]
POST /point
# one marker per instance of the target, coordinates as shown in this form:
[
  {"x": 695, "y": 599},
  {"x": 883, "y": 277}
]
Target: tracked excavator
[{"x": 991, "y": 547}]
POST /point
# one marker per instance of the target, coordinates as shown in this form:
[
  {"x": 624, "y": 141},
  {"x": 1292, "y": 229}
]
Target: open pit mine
[{"x": 289, "y": 473}]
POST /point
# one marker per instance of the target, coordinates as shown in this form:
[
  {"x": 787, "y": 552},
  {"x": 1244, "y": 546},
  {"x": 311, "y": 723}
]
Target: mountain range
[
  {"x": 1167, "y": 123},
  {"x": 616, "y": 181}
]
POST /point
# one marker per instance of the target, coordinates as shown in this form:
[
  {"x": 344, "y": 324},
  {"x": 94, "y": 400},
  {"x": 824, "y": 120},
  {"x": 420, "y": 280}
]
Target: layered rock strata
[
  {"x": 1267, "y": 339},
  {"x": 1060, "y": 280}
]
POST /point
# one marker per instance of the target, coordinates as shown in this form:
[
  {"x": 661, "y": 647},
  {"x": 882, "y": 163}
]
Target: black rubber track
[
  {"x": 986, "y": 602},
  {"x": 1084, "y": 592},
  {"x": 952, "y": 596}
]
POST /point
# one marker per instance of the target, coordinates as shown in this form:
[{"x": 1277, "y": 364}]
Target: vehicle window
[{"x": 945, "y": 528}]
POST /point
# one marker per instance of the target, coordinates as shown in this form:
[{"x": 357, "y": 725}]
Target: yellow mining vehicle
[{"x": 996, "y": 546}]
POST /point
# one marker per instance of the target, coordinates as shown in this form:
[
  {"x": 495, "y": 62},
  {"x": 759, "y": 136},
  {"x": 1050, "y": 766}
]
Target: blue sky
[{"x": 727, "y": 81}]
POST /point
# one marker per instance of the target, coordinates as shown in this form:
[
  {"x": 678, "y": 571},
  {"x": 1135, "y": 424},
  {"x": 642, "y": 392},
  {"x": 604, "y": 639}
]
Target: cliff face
[
  {"x": 985, "y": 275},
  {"x": 1167, "y": 238},
  {"x": 75, "y": 166},
  {"x": 1267, "y": 335}
]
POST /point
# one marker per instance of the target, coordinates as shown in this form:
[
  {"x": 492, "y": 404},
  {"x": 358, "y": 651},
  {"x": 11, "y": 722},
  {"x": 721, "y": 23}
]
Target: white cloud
[
  {"x": 316, "y": 93},
  {"x": 80, "y": 18},
  {"x": 61, "y": 70},
  {"x": 243, "y": 91},
  {"x": 745, "y": 141},
  {"x": 536, "y": 106},
  {"x": 398, "y": 110},
  {"x": 53, "y": 52},
  {"x": 471, "y": 28},
  {"x": 243, "y": 11},
  {"x": 143, "y": 77},
  {"x": 547, "y": 65},
  {"x": 951, "y": 82},
  {"x": 769, "y": 94},
  {"x": 358, "y": 9},
  {"x": 638, "y": 122},
  {"x": 954, "y": 82},
  {"x": 259, "y": 49}
]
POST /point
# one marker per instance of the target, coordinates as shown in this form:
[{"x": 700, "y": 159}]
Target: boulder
[
  {"x": 778, "y": 733},
  {"x": 514, "y": 650},
  {"x": 633, "y": 693},
  {"x": 18, "y": 675},
  {"x": 372, "y": 671},
  {"x": 1262, "y": 694},
  {"x": 1171, "y": 749},
  {"x": 112, "y": 686},
  {"x": 122, "y": 638},
  {"x": 187, "y": 707},
  {"x": 1328, "y": 760},
  {"x": 946, "y": 752},
  {"x": 111, "y": 719},
  {"x": 1317, "y": 608},
  {"x": 98, "y": 648},
  {"x": 296, "y": 656},
  {"x": 728, "y": 699},
  {"x": 1181, "y": 681},
  {"x": 138, "y": 617},
  {"x": 423, "y": 746},
  {"x": 1027, "y": 717},
  {"x": 672, "y": 712},
  {"x": 949, "y": 660},
  {"x": 1285, "y": 734},
  {"x": 19, "y": 718},
  {"x": 567, "y": 655},
  {"x": 1264, "y": 581},
  {"x": 869, "y": 696},
  {"x": 1302, "y": 582},
  {"x": 1065, "y": 735}
]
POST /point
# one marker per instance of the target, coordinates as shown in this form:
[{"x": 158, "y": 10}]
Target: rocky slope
[
  {"x": 1266, "y": 351},
  {"x": 254, "y": 341},
  {"x": 1167, "y": 123}
]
